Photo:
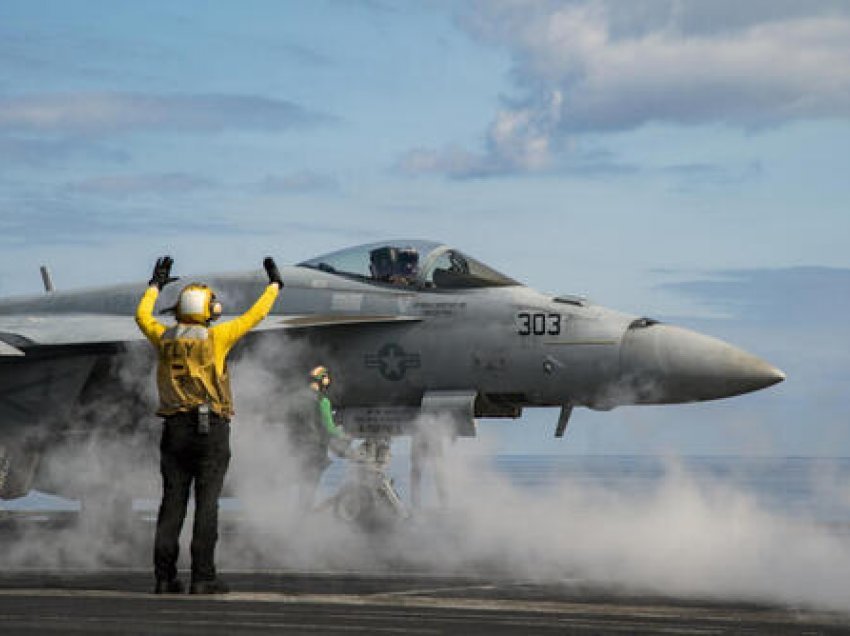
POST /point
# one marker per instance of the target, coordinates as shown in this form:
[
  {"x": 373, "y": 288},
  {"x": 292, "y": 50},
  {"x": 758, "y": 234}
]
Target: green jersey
[{"x": 311, "y": 421}]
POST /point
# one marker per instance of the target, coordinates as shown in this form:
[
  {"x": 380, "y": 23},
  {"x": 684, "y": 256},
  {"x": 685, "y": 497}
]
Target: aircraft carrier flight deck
[
  {"x": 119, "y": 601},
  {"x": 389, "y": 598}
]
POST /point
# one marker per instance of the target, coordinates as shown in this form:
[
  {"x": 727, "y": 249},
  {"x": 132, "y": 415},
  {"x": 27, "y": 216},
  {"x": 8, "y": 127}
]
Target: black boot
[
  {"x": 174, "y": 586},
  {"x": 215, "y": 586}
]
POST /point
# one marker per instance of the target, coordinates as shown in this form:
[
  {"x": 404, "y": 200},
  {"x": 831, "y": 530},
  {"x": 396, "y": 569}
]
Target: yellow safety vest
[
  {"x": 192, "y": 367},
  {"x": 187, "y": 377}
]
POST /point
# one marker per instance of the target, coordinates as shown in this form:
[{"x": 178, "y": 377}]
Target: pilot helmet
[
  {"x": 320, "y": 379},
  {"x": 408, "y": 261},
  {"x": 381, "y": 262},
  {"x": 197, "y": 305}
]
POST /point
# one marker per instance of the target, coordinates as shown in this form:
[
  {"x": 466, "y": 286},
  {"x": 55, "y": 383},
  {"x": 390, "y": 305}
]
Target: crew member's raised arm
[
  {"x": 150, "y": 326},
  {"x": 230, "y": 332}
]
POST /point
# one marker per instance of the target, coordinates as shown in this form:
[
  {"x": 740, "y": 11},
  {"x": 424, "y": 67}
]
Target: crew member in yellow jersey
[{"x": 196, "y": 404}]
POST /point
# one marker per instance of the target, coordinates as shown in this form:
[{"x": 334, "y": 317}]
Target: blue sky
[{"x": 685, "y": 160}]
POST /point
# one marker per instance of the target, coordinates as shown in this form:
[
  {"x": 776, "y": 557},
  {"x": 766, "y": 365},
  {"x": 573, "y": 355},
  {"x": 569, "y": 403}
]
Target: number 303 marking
[{"x": 539, "y": 324}]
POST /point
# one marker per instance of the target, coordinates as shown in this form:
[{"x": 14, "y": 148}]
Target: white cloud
[
  {"x": 298, "y": 183},
  {"x": 38, "y": 152},
  {"x": 602, "y": 66},
  {"x": 127, "y": 185},
  {"x": 102, "y": 113}
]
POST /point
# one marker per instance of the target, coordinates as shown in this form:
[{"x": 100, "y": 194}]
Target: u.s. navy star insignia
[{"x": 392, "y": 361}]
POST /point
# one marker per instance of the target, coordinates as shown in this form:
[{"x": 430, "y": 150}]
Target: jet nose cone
[
  {"x": 667, "y": 364},
  {"x": 773, "y": 376}
]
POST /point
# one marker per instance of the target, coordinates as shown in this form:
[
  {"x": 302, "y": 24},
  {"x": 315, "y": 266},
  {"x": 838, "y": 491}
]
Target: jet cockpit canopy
[{"x": 406, "y": 263}]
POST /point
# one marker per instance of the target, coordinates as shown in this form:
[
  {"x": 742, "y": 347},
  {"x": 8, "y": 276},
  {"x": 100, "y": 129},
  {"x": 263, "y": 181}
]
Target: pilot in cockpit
[
  {"x": 408, "y": 265},
  {"x": 398, "y": 265}
]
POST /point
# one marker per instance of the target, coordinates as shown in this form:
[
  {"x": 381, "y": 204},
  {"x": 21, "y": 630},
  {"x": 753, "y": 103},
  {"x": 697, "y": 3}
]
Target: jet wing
[
  {"x": 108, "y": 333},
  {"x": 89, "y": 333},
  {"x": 104, "y": 333}
]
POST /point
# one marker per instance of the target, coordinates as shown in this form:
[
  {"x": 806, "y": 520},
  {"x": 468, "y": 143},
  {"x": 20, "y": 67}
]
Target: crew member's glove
[
  {"x": 162, "y": 273},
  {"x": 272, "y": 271}
]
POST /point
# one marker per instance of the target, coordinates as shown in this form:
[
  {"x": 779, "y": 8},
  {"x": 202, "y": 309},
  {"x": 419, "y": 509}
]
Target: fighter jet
[{"x": 408, "y": 327}]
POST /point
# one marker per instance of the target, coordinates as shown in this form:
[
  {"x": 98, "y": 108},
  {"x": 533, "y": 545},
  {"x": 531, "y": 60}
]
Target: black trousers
[{"x": 187, "y": 456}]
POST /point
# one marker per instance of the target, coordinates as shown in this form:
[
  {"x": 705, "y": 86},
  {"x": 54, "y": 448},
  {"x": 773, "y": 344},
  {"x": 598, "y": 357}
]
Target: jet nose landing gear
[{"x": 367, "y": 498}]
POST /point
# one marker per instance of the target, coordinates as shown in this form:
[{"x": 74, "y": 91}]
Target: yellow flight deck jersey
[{"x": 192, "y": 366}]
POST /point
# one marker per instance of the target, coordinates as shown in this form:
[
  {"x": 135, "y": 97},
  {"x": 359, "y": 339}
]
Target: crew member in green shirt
[{"x": 312, "y": 431}]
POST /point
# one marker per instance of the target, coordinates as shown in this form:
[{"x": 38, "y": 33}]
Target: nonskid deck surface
[
  {"x": 112, "y": 594},
  {"x": 120, "y": 601}
]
